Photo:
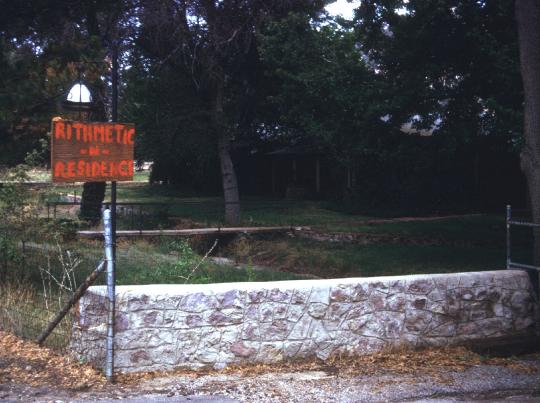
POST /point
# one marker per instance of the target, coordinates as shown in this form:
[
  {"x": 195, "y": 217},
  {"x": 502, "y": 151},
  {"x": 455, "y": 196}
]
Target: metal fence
[
  {"x": 196, "y": 213},
  {"x": 509, "y": 223},
  {"x": 532, "y": 270},
  {"x": 28, "y": 317},
  {"x": 37, "y": 277},
  {"x": 131, "y": 215}
]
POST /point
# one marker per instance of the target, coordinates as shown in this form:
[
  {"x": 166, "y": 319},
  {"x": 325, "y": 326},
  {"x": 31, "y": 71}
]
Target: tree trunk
[
  {"x": 91, "y": 201},
  {"x": 230, "y": 184},
  {"x": 228, "y": 175},
  {"x": 528, "y": 22}
]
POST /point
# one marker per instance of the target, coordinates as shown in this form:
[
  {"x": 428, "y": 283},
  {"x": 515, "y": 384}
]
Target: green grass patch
[
  {"x": 476, "y": 227},
  {"x": 138, "y": 262},
  {"x": 391, "y": 259},
  {"x": 351, "y": 260},
  {"x": 451, "y": 245}
]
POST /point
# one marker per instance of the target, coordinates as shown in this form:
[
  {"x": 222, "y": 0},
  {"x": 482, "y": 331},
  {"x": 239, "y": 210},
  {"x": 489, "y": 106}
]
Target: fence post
[
  {"x": 109, "y": 257},
  {"x": 508, "y": 244},
  {"x": 23, "y": 245}
]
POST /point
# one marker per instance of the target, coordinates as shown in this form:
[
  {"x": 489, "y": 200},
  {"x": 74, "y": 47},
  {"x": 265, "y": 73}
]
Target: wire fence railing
[
  {"x": 531, "y": 269},
  {"x": 23, "y": 313},
  {"x": 39, "y": 272},
  {"x": 209, "y": 212},
  {"x": 511, "y": 221}
]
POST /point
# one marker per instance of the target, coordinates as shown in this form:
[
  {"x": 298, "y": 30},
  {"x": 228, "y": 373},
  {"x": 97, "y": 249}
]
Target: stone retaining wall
[{"x": 161, "y": 327}]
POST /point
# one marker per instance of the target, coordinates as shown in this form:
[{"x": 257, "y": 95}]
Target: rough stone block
[
  {"x": 198, "y": 302},
  {"x": 163, "y": 327},
  {"x": 317, "y": 310},
  {"x": 422, "y": 286}
]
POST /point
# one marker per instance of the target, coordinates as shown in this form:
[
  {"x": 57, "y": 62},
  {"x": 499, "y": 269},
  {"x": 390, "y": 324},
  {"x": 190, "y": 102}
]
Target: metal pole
[
  {"x": 114, "y": 118},
  {"x": 111, "y": 256},
  {"x": 508, "y": 219}
]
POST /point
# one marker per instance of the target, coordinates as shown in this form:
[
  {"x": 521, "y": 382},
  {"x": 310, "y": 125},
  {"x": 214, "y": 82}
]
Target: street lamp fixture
[{"x": 79, "y": 98}]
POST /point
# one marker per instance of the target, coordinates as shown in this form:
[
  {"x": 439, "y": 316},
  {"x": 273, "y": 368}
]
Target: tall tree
[
  {"x": 101, "y": 19},
  {"x": 450, "y": 65},
  {"x": 528, "y": 19},
  {"x": 451, "y": 62},
  {"x": 216, "y": 41},
  {"x": 319, "y": 89}
]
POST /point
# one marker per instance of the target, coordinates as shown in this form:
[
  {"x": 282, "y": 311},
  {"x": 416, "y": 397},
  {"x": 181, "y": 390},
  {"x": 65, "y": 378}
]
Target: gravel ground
[
  {"x": 479, "y": 383},
  {"x": 318, "y": 386},
  {"x": 30, "y": 373}
]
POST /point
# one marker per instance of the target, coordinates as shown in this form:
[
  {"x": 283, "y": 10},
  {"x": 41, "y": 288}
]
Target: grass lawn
[
  {"x": 450, "y": 245},
  {"x": 208, "y": 211},
  {"x": 466, "y": 243},
  {"x": 477, "y": 228},
  {"x": 353, "y": 260},
  {"x": 173, "y": 262}
]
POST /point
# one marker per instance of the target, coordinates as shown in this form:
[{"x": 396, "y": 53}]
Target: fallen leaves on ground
[
  {"x": 431, "y": 361},
  {"x": 436, "y": 362},
  {"x": 26, "y": 362}
]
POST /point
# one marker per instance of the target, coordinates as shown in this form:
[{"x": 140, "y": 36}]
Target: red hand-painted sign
[{"x": 92, "y": 151}]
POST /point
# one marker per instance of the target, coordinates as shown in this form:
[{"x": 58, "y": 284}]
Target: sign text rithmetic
[{"x": 92, "y": 152}]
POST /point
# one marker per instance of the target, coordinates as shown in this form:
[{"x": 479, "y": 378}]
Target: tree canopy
[{"x": 392, "y": 96}]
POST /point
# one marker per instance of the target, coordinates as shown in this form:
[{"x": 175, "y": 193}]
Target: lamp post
[
  {"x": 80, "y": 95},
  {"x": 109, "y": 369},
  {"x": 79, "y": 98}
]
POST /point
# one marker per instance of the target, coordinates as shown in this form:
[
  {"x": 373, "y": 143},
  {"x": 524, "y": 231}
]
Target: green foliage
[
  {"x": 40, "y": 42},
  {"x": 18, "y": 209},
  {"x": 176, "y": 263},
  {"x": 454, "y": 61},
  {"x": 328, "y": 88},
  {"x": 17, "y": 218},
  {"x": 172, "y": 130},
  {"x": 287, "y": 77},
  {"x": 39, "y": 157},
  {"x": 250, "y": 272},
  {"x": 21, "y": 100},
  {"x": 319, "y": 89}
]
